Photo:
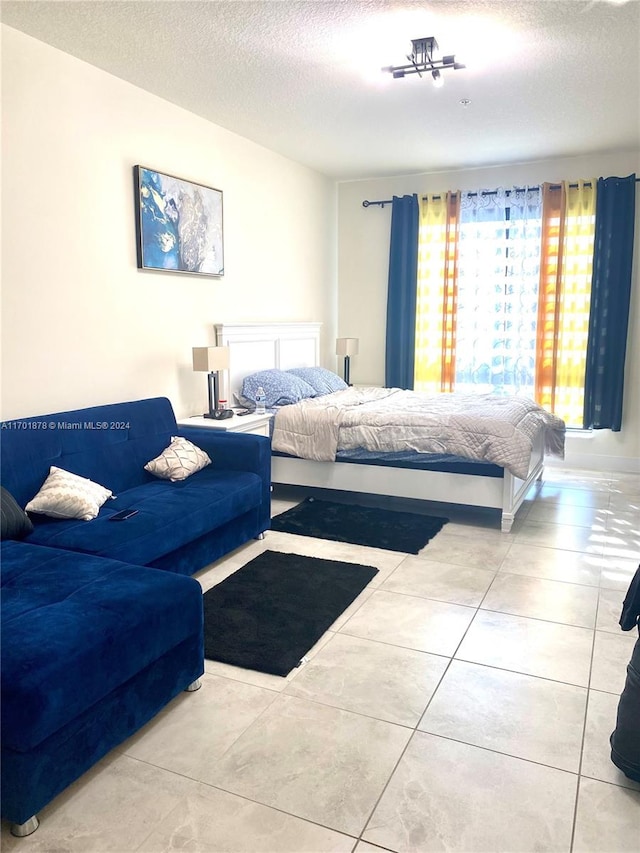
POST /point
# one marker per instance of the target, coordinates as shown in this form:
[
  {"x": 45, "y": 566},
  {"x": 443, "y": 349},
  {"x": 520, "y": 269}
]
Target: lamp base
[
  {"x": 219, "y": 414},
  {"x": 347, "y": 364},
  {"x": 215, "y": 413}
]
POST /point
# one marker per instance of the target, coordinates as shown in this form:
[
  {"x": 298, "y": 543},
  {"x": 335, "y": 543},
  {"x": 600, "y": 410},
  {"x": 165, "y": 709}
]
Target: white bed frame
[{"x": 254, "y": 346}]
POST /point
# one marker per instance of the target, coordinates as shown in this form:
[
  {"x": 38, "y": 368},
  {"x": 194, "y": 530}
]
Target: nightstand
[{"x": 255, "y": 424}]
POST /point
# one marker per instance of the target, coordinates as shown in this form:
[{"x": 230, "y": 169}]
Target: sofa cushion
[
  {"x": 178, "y": 461},
  {"x": 108, "y": 444},
  {"x": 75, "y": 627},
  {"x": 169, "y": 516},
  {"x": 15, "y": 521},
  {"x": 66, "y": 495}
]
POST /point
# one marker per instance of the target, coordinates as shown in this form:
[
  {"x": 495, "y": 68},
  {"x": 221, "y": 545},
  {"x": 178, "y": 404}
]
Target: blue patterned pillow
[
  {"x": 280, "y": 387},
  {"x": 323, "y": 381}
]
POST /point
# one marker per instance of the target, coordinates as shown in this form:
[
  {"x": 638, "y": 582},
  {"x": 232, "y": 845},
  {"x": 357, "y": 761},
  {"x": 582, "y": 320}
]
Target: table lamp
[
  {"x": 212, "y": 360},
  {"x": 347, "y": 347}
]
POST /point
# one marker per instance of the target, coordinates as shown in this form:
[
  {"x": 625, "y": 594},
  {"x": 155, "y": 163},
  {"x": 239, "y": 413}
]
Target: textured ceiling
[{"x": 544, "y": 77}]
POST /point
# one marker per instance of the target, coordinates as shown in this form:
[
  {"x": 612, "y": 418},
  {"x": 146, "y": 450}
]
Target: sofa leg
[
  {"x": 260, "y": 536},
  {"x": 195, "y": 685},
  {"x": 26, "y": 828}
]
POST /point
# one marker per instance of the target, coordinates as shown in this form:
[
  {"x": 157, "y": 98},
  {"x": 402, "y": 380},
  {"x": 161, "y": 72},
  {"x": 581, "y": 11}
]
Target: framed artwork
[{"x": 178, "y": 224}]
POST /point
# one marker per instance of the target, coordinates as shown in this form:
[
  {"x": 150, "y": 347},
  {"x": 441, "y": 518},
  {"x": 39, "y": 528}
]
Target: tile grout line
[
  {"x": 584, "y": 734},
  {"x": 551, "y": 580},
  {"x": 242, "y": 797},
  {"x": 499, "y": 752},
  {"x": 539, "y": 618}
]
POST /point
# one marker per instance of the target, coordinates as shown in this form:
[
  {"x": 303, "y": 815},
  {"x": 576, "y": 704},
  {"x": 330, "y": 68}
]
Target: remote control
[{"x": 123, "y": 514}]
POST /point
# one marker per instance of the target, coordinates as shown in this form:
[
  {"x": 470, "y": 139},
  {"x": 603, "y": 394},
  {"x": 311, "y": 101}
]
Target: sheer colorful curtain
[
  {"x": 565, "y": 296},
  {"x": 436, "y": 310},
  {"x": 503, "y": 293}
]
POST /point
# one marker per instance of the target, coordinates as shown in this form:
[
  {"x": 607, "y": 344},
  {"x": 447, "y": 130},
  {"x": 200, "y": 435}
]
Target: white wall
[
  {"x": 363, "y": 265},
  {"x": 81, "y": 325}
]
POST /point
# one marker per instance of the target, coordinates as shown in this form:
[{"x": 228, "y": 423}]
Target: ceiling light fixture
[{"x": 421, "y": 61}]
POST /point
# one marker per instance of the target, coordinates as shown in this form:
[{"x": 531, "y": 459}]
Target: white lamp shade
[
  {"x": 347, "y": 346},
  {"x": 210, "y": 359}
]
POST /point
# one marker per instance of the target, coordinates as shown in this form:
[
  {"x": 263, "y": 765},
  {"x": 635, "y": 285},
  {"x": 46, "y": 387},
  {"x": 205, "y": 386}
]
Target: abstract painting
[{"x": 178, "y": 224}]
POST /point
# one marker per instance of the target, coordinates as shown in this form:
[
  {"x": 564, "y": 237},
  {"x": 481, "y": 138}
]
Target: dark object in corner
[
  {"x": 16, "y": 524},
  {"x": 625, "y": 740},
  {"x": 631, "y": 605}
]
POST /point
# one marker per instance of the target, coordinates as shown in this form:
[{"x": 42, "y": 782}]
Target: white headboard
[{"x": 258, "y": 346}]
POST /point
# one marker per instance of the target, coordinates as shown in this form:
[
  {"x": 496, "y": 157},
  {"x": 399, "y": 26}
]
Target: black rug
[
  {"x": 360, "y": 525},
  {"x": 268, "y": 614}
]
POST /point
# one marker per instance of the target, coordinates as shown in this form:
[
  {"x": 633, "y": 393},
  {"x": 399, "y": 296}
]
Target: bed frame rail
[{"x": 503, "y": 493}]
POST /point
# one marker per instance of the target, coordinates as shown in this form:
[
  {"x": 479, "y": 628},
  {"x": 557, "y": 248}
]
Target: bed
[{"x": 441, "y": 478}]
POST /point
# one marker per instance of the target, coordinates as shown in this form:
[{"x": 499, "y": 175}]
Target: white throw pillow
[
  {"x": 178, "y": 461},
  {"x": 66, "y": 495}
]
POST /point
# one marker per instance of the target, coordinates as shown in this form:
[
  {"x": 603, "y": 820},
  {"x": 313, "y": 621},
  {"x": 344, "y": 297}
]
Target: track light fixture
[{"x": 422, "y": 61}]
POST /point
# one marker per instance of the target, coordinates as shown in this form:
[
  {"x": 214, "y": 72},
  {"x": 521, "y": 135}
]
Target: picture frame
[{"x": 179, "y": 224}]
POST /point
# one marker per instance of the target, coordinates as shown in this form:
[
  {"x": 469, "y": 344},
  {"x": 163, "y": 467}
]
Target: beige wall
[
  {"x": 363, "y": 263},
  {"x": 81, "y": 325}
]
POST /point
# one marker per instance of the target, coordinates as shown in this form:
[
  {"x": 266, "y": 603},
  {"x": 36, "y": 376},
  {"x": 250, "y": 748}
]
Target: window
[{"x": 503, "y": 298}]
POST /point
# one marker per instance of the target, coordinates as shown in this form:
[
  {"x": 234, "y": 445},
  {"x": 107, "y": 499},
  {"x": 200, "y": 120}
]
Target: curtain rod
[{"x": 382, "y": 202}]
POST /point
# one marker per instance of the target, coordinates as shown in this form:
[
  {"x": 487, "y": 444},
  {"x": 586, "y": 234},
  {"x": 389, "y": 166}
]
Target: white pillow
[
  {"x": 178, "y": 461},
  {"x": 66, "y": 495}
]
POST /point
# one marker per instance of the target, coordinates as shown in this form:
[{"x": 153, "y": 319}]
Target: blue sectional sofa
[
  {"x": 180, "y": 526},
  {"x": 96, "y": 639}
]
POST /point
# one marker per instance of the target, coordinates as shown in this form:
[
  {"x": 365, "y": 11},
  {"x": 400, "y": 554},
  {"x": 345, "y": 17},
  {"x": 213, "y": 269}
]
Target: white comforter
[{"x": 485, "y": 427}]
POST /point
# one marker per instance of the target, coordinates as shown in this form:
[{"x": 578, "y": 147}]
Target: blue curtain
[
  {"x": 401, "y": 294},
  {"x": 610, "y": 295}
]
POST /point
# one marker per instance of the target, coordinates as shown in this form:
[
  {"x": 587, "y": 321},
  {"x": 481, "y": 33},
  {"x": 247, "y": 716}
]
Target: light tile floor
[{"x": 463, "y": 702}]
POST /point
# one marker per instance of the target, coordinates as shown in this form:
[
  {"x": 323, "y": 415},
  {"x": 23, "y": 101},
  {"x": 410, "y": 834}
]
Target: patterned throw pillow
[
  {"x": 322, "y": 381},
  {"x": 280, "y": 387},
  {"x": 66, "y": 495},
  {"x": 178, "y": 461}
]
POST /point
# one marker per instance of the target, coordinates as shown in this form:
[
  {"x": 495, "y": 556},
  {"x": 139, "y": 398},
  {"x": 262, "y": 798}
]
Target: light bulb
[{"x": 437, "y": 79}]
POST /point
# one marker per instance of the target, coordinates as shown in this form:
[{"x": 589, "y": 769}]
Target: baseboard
[{"x": 595, "y": 462}]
